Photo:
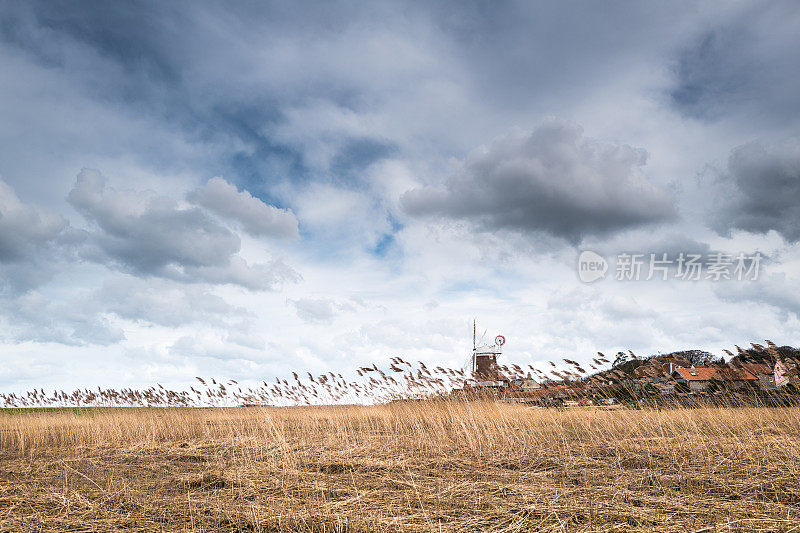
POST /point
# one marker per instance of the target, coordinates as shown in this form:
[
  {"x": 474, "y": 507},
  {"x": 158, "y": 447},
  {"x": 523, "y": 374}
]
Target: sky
[{"x": 242, "y": 190}]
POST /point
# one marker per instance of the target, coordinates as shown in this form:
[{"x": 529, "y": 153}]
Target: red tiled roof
[
  {"x": 704, "y": 373},
  {"x": 758, "y": 369},
  {"x": 736, "y": 374}
]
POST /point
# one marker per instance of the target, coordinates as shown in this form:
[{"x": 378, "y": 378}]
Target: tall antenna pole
[{"x": 474, "y": 346}]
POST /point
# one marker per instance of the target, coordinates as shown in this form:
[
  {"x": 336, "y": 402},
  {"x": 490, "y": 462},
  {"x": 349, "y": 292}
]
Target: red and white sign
[{"x": 499, "y": 340}]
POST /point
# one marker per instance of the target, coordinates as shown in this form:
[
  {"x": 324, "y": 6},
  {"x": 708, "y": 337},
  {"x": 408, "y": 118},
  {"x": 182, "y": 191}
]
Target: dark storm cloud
[
  {"x": 746, "y": 64},
  {"x": 229, "y": 77},
  {"x": 551, "y": 180},
  {"x": 33, "y": 242},
  {"x": 761, "y": 190},
  {"x": 220, "y": 76},
  {"x": 524, "y": 53},
  {"x": 148, "y": 234},
  {"x": 23, "y": 227}
]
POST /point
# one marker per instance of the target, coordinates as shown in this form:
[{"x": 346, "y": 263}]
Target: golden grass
[{"x": 408, "y": 466}]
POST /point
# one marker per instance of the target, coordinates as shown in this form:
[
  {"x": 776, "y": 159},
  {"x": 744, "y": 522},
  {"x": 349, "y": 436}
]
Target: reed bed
[{"x": 440, "y": 465}]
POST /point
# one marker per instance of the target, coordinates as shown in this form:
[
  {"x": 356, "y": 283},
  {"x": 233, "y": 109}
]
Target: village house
[
  {"x": 524, "y": 390},
  {"x": 732, "y": 378},
  {"x": 700, "y": 378},
  {"x": 764, "y": 373},
  {"x": 526, "y": 384},
  {"x": 697, "y": 379}
]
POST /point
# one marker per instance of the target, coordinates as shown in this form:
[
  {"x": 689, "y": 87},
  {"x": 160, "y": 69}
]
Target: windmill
[{"x": 484, "y": 360}]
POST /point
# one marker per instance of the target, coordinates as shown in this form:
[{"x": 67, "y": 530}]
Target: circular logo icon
[
  {"x": 499, "y": 340},
  {"x": 591, "y": 266}
]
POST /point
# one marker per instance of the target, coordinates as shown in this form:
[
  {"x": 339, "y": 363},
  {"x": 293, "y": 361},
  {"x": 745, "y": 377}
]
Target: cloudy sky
[{"x": 195, "y": 189}]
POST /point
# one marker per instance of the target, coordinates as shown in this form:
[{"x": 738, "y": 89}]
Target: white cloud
[
  {"x": 164, "y": 302},
  {"x": 247, "y": 340},
  {"x": 212, "y": 346},
  {"x": 35, "y": 317},
  {"x": 319, "y": 310},
  {"x": 256, "y": 217},
  {"x": 147, "y": 234},
  {"x": 258, "y": 276}
]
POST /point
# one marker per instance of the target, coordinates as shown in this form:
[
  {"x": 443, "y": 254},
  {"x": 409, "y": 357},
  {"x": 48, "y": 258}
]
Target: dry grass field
[{"x": 407, "y": 466}]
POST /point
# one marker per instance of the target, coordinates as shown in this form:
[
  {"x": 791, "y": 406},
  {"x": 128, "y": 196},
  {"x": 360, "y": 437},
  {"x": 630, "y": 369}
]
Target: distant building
[
  {"x": 763, "y": 373},
  {"x": 526, "y": 384},
  {"x": 733, "y": 378},
  {"x": 485, "y": 370},
  {"x": 699, "y": 378}
]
